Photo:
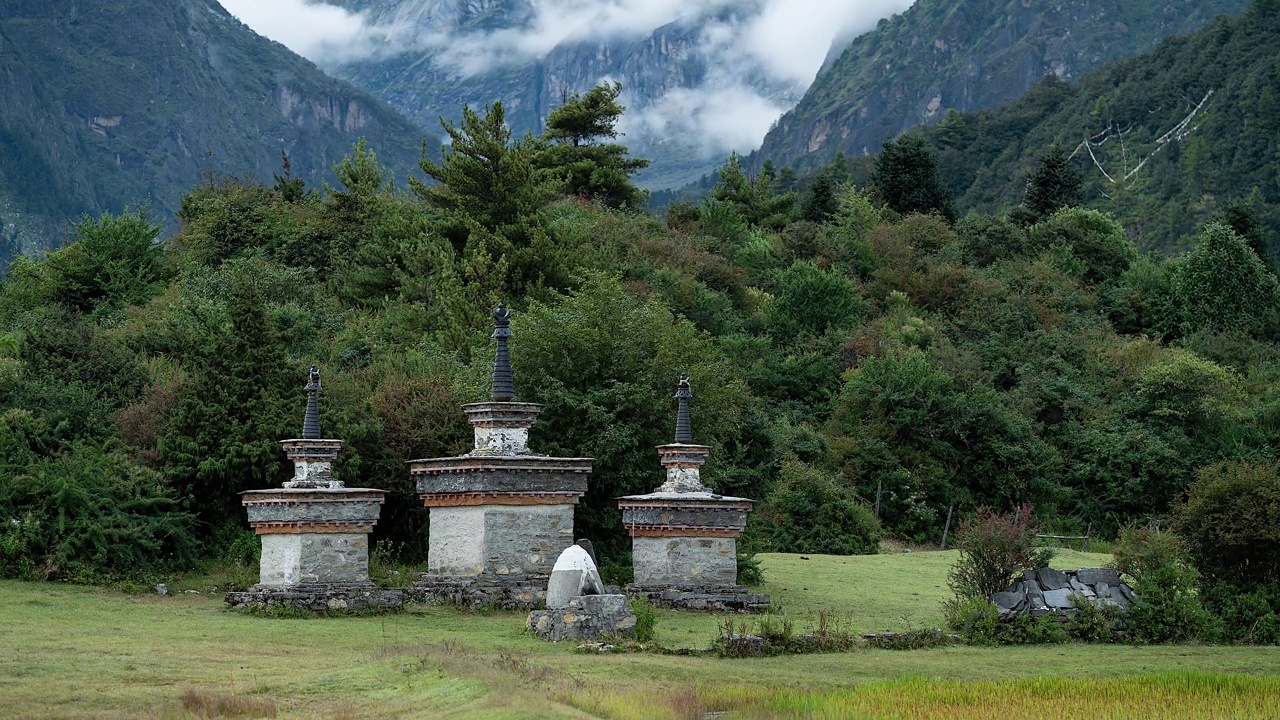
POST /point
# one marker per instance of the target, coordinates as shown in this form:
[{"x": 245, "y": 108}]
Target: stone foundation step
[{"x": 325, "y": 597}]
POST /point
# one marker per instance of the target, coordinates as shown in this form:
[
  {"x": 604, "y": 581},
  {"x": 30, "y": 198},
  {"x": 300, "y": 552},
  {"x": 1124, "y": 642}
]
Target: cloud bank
[{"x": 763, "y": 54}]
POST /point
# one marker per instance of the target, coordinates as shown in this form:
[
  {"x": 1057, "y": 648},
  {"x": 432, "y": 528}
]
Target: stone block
[
  {"x": 1081, "y": 588},
  {"x": 589, "y": 617},
  {"x": 498, "y": 539},
  {"x": 574, "y": 575},
  {"x": 290, "y": 559},
  {"x": 1008, "y": 600},
  {"x": 685, "y": 561},
  {"x": 1093, "y": 576},
  {"x": 1058, "y": 599},
  {"x": 1050, "y": 579}
]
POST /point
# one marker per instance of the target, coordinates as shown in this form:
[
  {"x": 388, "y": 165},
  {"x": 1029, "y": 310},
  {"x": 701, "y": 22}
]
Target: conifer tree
[
  {"x": 574, "y": 152},
  {"x": 906, "y": 175},
  {"x": 483, "y": 176},
  {"x": 1053, "y": 185}
]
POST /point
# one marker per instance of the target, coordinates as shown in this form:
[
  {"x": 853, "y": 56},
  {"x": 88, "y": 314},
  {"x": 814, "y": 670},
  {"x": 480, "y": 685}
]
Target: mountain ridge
[
  {"x": 127, "y": 105},
  {"x": 939, "y": 56}
]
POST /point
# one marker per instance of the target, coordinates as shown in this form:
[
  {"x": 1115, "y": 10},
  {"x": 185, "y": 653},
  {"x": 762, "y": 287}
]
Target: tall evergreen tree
[
  {"x": 753, "y": 198},
  {"x": 574, "y": 152},
  {"x": 483, "y": 176},
  {"x": 1053, "y": 185},
  {"x": 906, "y": 175}
]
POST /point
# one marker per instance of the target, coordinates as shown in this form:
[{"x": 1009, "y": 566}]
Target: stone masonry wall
[
  {"x": 498, "y": 539},
  {"x": 685, "y": 561},
  {"x": 299, "y": 558}
]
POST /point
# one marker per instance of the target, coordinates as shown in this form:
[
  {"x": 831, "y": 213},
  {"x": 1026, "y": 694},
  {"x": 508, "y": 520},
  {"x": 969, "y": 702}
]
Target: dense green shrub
[
  {"x": 1223, "y": 285},
  {"x": 1231, "y": 522},
  {"x": 1168, "y": 608},
  {"x": 90, "y": 515},
  {"x": 1095, "y": 239},
  {"x": 811, "y": 512}
]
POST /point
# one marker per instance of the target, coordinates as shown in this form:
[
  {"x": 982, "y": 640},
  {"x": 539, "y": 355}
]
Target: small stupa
[
  {"x": 684, "y": 536},
  {"x": 314, "y": 531},
  {"x": 501, "y": 514}
]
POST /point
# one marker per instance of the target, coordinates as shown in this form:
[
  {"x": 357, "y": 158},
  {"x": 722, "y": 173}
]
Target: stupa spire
[
  {"x": 311, "y": 423},
  {"x": 503, "y": 388},
  {"x": 684, "y": 429}
]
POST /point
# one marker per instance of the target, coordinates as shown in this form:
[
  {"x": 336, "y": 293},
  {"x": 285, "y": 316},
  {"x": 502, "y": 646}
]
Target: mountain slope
[
  {"x": 108, "y": 105},
  {"x": 1178, "y": 132},
  {"x": 965, "y": 55}
]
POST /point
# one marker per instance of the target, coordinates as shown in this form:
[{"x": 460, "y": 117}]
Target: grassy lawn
[{"x": 73, "y": 652}]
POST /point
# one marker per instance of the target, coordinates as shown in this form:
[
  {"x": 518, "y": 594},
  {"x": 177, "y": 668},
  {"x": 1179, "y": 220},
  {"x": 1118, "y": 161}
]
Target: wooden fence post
[{"x": 947, "y": 528}]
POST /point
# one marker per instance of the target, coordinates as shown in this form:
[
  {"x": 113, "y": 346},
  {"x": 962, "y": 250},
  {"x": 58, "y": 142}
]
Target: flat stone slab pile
[{"x": 1045, "y": 591}]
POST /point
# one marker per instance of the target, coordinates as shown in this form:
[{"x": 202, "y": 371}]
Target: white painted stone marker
[{"x": 574, "y": 574}]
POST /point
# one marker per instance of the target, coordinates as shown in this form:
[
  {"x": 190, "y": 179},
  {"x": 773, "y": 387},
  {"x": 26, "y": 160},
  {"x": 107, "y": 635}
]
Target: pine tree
[
  {"x": 483, "y": 176},
  {"x": 754, "y": 199},
  {"x": 573, "y": 152},
  {"x": 1053, "y": 185},
  {"x": 906, "y": 176}
]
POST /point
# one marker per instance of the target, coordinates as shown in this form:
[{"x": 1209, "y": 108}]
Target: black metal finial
[
  {"x": 684, "y": 429},
  {"x": 504, "y": 389},
  {"x": 311, "y": 423}
]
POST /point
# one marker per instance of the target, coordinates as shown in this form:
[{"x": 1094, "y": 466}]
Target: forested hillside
[
  {"x": 848, "y": 353},
  {"x": 942, "y": 55},
  {"x": 1164, "y": 140},
  {"x": 124, "y": 104}
]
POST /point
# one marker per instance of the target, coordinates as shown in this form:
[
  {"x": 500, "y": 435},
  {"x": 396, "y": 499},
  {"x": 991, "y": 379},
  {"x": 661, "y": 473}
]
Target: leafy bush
[
  {"x": 810, "y": 512},
  {"x": 89, "y": 515},
  {"x": 1092, "y": 622},
  {"x": 646, "y": 618},
  {"x": 994, "y": 549},
  {"x": 979, "y": 623},
  {"x": 1222, "y": 284},
  {"x": 1231, "y": 522},
  {"x": 1095, "y": 239},
  {"x": 1244, "y": 615},
  {"x": 1168, "y": 607}
]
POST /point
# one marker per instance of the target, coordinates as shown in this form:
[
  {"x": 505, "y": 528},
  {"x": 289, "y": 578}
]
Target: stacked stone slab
[
  {"x": 1048, "y": 591},
  {"x": 314, "y": 531},
  {"x": 683, "y": 536},
  {"x": 500, "y": 515}
]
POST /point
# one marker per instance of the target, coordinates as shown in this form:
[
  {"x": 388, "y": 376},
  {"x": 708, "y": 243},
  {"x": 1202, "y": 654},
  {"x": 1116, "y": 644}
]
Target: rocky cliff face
[
  {"x": 965, "y": 55},
  {"x": 124, "y": 104},
  {"x": 426, "y": 83}
]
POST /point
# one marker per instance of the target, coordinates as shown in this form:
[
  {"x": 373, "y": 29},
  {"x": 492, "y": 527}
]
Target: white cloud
[
  {"x": 792, "y": 37},
  {"x": 763, "y": 53},
  {"x": 317, "y": 31},
  {"x": 713, "y": 120}
]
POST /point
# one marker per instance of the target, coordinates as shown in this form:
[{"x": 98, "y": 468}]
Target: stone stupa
[
  {"x": 314, "y": 531},
  {"x": 501, "y": 514},
  {"x": 684, "y": 536}
]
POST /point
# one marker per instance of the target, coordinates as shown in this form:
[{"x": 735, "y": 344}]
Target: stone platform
[
  {"x": 587, "y": 617},
  {"x": 716, "y": 598},
  {"x": 318, "y": 597},
  {"x": 503, "y": 592}
]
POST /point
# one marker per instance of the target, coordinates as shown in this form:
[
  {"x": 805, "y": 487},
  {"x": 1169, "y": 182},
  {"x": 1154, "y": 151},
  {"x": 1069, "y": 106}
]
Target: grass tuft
[{"x": 220, "y": 705}]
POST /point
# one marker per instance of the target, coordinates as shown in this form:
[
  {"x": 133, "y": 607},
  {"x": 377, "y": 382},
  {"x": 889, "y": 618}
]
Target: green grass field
[{"x": 75, "y": 652}]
